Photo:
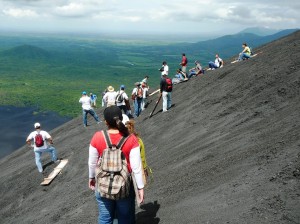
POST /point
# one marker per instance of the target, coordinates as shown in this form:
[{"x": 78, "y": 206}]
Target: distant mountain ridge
[
  {"x": 227, "y": 46},
  {"x": 26, "y": 51},
  {"x": 260, "y": 31}
]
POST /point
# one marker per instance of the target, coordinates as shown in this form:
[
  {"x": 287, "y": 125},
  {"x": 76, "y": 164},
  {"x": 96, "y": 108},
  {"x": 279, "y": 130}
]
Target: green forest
[{"x": 50, "y": 72}]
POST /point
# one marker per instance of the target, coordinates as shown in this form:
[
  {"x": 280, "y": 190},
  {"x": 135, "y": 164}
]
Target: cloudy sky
[{"x": 153, "y": 16}]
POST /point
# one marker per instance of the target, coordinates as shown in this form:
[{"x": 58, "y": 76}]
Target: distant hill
[
  {"x": 260, "y": 31},
  {"x": 27, "y": 52},
  {"x": 226, "y": 46},
  {"x": 226, "y": 152}
]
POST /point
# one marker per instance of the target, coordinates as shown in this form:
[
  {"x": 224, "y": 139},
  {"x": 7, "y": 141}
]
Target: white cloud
[
  {"x": 19, "y": 13},
  {"x": 73, "y": 10},
  {"x": 155, "y": 14}
]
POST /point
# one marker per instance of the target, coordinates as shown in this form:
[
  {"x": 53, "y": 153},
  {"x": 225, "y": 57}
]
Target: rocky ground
[{"x": 227, "y": 152}]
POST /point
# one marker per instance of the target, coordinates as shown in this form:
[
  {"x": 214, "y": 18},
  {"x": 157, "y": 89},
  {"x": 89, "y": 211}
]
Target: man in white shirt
[
  {"x": 110, "y": 96},
  {"x": 164, "y": 69},
  {"x": 217, "y": 64},
  {"x": 87, "y": 108},
  {"x": 41, "y": 146},
  {"x": 121, "y": 99}
]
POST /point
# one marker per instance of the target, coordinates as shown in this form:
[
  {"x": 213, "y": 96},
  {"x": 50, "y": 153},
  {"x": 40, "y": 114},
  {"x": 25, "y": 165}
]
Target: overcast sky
[{"x": 155, "y": 16}]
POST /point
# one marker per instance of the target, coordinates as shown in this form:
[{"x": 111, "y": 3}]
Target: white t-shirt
[
  {"x": 217, "y": 61},
  {"x": 145, "y": 90},
  {"x": 32, "y": 137},
  {"x": 125, "y": 97},
  {"x": 110, "y": 97},
  {"x": 86, "y": 102},
  {"x": 166, "y": 70}
]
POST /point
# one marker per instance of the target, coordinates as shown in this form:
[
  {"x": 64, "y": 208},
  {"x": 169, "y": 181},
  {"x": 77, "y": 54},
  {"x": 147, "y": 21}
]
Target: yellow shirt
[
  {"x": 143, "y": 153},
  {"x": 247, "y": 50}
]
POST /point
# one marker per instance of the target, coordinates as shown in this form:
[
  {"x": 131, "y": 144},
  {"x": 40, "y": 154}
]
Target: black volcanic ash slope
[{"x": 227, "y": 152}]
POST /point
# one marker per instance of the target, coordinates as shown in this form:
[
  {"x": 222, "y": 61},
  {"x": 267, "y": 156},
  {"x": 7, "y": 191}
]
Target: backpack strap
[
  {"x": 122, "y": 142},
  {"x": 107, "y": 139}
]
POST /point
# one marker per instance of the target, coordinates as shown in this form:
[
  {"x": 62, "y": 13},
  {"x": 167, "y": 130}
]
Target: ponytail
[{"x": 121, "y": 127}]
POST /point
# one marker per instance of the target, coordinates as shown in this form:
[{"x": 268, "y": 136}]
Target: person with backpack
[
  {"x": 41, "y": 142},
  {"x": 110, "y": 96},
  {"x": 145, "y": 95},
  {"x": 121, "y": 99},
  {"x": 114, "y": 159},
  {"x": 137, "y": 97},
  {"x": 219, "y": 63},
  {"x": 165, "y": 90},
  {"x": 87, "y": 109},
  {"x": 246, "y": 53}
]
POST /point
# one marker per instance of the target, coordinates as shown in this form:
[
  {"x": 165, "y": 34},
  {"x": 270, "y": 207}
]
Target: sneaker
[{"x": 99, "y": 122}]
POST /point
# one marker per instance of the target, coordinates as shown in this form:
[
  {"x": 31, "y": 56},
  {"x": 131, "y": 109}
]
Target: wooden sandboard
[
  {"x": 156, "y": 91},
  {"x": 55, "y": 172},
  {"x": 252, "y": 56}
]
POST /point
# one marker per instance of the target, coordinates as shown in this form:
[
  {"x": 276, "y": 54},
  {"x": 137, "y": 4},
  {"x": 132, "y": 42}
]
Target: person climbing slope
[
  {"x": 165, "y": 90},
  {"x": 137, "y": 97},
  {"x": 87, "y": 109},
  {"x": 118, "y": 204},
  {"x": 41, "y": 142}
]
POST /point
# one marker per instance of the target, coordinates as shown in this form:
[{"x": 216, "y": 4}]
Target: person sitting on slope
[
  {"x": 197, "y": 70},
  {"x": 179, "y": 77},
  {"x": 219, "y": 63},
  {"x": 246, "y": 53}
]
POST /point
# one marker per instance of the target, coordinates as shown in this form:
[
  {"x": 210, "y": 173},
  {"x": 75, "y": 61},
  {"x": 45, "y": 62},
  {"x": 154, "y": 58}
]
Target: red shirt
[
  {"x": 184, "y": 61},
  {"x": 98, "y": 142}
]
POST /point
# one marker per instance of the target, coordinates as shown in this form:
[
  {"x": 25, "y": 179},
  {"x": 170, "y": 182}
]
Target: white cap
[
  {"x": 125, "y": 119},
  {"x": 37, "y": 125}
]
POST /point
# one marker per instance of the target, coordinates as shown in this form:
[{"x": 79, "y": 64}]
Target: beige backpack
[{"x": 112, "y": 176}]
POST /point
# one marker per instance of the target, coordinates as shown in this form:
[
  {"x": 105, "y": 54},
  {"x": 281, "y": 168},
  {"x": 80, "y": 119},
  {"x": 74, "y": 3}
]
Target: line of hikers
[{"x": 117, "y": 165}]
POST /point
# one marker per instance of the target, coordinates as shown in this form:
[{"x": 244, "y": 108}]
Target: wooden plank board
[
  {"x": 156, "y": 91},
  {"x": 252, "y": 56},
  {"x": 55, "y": 172}
]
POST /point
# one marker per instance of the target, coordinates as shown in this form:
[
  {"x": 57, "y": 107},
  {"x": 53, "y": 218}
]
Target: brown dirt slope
[{"x": 227, "y": 152}]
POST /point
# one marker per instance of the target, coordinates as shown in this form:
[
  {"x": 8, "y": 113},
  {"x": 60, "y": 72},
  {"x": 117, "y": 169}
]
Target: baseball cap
[
  {"x": 37, "y": 125},
  {"x": 110, "y": 113},
  {"x": 84, "y": 93},
  {"x": 137, "y": 83},
  {"x": 122, "y": 87}
]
